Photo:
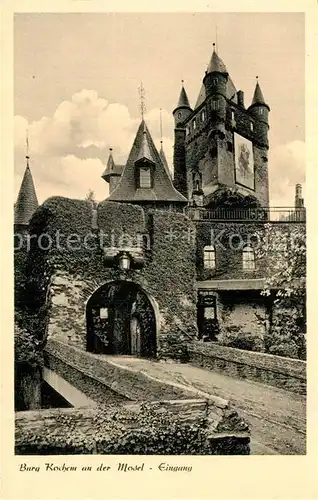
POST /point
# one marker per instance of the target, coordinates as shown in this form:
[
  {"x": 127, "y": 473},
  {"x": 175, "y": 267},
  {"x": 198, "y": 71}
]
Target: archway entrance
[{"x": 121, "y": 320}]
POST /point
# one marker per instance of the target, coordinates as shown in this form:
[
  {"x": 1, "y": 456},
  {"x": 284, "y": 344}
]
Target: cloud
[
  {"x": 69, "y": 150},
  {"x": 286, "y": 168}
]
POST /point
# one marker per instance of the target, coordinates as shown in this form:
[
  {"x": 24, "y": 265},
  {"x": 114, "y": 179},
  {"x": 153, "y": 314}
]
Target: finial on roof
[
  {"x": 213, "y": 46},
  {"x": 27, "y": 156},
  {"x": 142, "y": 96},
  {"x": 258, "y": 97}
]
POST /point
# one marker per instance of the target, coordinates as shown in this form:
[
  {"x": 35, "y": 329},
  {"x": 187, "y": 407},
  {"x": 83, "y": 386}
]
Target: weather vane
[
  {"x": 142, "y": 95},
  {"x": 27, "y": 146}
]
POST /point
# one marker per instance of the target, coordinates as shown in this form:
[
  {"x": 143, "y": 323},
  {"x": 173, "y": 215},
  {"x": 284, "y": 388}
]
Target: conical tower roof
[
  {"x": 111, "y": 167},
  {"x": 183, "y": 101},
  {"x": 27, "y": 201},
  {"x": 216, "y": 64},
  {"x": 258, "y": 97}
]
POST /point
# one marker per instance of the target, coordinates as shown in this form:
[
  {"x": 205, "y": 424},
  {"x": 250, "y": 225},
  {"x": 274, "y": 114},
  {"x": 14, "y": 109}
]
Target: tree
[{"x": 90, "y": 196}]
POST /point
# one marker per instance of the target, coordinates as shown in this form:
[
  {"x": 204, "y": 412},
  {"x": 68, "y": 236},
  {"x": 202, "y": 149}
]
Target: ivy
[{"x": 118, "y": 431}]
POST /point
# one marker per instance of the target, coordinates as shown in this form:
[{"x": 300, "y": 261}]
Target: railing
[{"x": 264, "y": 214}]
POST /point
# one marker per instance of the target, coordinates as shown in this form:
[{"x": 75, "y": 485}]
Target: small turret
[
  {"x": 183, "y": 109},
  {"x": 112, "y": 172}
]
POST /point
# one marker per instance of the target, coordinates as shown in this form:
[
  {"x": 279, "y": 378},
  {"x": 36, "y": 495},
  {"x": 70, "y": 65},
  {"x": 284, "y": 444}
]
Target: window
[
  {"x": 209, "y": 257},
  {"x": 187, "y": 130},
  {"x": 248, "y": 258},
  {"x": 215, "y": 104},
  {"x": 194, "y": 124},
  {"x": 261, "y": 111},
  {"x": 232, "y": 114},
  {"x": 203, "y": 116},
  {"x": 252, "y": 126},
  {"x": 103, "y": 313},
  {"x": 214, "y": 81},
  {"x": 144, "y": 177}
]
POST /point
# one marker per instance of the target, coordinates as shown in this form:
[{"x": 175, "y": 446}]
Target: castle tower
[
  {"x": 180, "y": 114},
  {"x": 26, "y": 203},
  {"x": 222, "y": 144}
]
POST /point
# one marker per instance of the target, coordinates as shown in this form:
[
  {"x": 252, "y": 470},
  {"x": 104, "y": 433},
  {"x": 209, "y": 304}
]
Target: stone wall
[{"x": 286, "y": 373}]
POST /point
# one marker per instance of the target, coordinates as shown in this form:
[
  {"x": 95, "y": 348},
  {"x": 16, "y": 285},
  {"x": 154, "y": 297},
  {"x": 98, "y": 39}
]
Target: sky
[{"x": 76, "y": 79}]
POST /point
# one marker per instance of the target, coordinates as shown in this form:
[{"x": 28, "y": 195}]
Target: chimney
[
  {"x": 299, "y": 201},
  {"x": 240, "y": 98}
]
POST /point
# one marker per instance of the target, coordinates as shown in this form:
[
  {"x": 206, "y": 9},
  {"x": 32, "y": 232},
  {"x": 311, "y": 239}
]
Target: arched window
[
  {"x": 248, "y": 258},
  {"x": 209, "y": 257}
]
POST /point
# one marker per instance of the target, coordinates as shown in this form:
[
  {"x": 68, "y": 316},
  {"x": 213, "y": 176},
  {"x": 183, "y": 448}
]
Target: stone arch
[{"x": 122, "y": 318}]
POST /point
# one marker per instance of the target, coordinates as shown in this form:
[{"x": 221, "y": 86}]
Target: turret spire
[
  {"x": 216, "y": 64},
  {"x": 27, "y": 201},
  {"x": 258, "y": 97},
  {"x": 144, "y": 152}
]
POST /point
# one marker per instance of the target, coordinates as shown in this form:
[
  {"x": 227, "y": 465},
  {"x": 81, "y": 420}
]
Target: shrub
[{"x": 118, "y": 431}]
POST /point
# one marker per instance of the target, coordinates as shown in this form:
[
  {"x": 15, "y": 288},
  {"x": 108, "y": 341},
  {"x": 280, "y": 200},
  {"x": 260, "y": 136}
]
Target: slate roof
[
  {"x": 163, "y": 189},
  {"x": 258, "y": 97},
  {"x": 183, "y": 99},
  {"x": 27, "y": 201},
  {"x": 163, "y": 157}
]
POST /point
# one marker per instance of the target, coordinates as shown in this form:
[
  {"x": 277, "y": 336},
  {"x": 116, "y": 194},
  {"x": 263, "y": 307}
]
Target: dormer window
[
  {"x": 145, "y": 177},
  {"x": 194, "y": 124}
]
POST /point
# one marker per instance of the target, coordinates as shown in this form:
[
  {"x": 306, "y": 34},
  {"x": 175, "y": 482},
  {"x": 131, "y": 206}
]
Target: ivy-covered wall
[{"x": 71, "y": 266}]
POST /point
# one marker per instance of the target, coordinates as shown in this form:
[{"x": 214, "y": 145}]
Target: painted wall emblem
[{"x": 244, "y": 161}]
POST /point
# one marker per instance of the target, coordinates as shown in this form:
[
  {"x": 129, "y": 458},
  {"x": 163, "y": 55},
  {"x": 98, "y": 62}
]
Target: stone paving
[{"x": 277, "y": 418}]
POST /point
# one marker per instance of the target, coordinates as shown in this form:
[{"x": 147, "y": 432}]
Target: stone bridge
[{"x": 276, "y": 416}]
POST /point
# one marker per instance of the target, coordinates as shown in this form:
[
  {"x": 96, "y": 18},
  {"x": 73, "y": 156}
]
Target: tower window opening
[
  {"x": 232, "y": 114},
  {"x": 252, "y": 126},
  {"x": 103, "y": 313},
  {"x": 230, "y": 147},
  {"x": 261, "y": 111},
  {"x": 203, "y": 116},
  {"x": 248, "y": 258},
  {"x": 194, "y": 124},
  {"x": 214, "y": 81},
  {"x": 215, "y": 104},
  {"x": 209, "y": 257},
  {"x": 144, "y": 177}
]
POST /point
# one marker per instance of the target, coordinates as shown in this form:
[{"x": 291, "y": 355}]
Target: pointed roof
[
  {"x": 258, "y": 97},
  {"x": 183, "y": 99},
  {"x": 163, "y": 188},
  {"x": 111, "y": 167},
  {"x": 27, "y": 201},
  {"x": 216, "y": 64}
]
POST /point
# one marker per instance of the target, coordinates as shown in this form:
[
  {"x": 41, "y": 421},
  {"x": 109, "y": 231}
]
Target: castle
[{"x": 163, "y": 259}]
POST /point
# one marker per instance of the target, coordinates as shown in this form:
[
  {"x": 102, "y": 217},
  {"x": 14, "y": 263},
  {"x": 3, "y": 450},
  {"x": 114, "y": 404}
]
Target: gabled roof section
[
  {"x": 163, "y": 189},
  {"x": 27, "y": 201},
  {"x": 144, "y": 149}
]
